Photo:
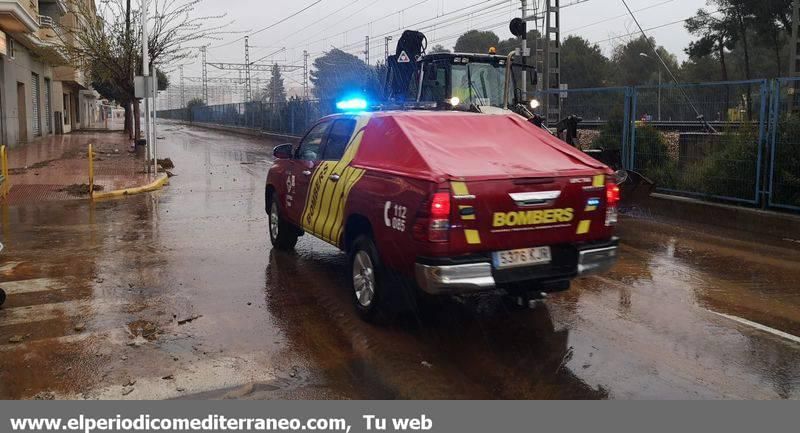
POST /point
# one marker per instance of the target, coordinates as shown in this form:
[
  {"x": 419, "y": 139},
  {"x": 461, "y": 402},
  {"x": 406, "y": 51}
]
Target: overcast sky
[{"x": 345, "y": 23}]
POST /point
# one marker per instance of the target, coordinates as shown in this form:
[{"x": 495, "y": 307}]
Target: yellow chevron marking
[
  {"x": 473, "y": 237},
  {"x": 323, "y": 213},
  {"x": 459, "y": 188},
  {"x": 583, "y": 227}
]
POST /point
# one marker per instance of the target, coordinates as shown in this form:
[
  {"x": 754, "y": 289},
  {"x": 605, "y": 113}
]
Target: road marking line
[
  {"x": 760, "y": 327},
  {"x": 32, "y": 286}
]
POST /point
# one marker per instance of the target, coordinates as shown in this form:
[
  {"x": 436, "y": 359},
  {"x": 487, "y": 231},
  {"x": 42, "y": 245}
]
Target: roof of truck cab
[{"x": 438, "y": 145}]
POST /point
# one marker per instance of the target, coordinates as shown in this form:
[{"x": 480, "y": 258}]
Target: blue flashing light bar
[{"x": 353, "y": 104}]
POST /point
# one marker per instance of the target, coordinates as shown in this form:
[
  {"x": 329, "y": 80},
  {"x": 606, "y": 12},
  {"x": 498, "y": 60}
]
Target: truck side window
[
  {"x": 311, "y": 146},
  {"x": 338, "y": 139}
]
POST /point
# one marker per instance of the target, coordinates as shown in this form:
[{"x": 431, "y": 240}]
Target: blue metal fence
[
  {"x": 746, "y": 149},
  {"x": 292, "y": 117},
  {"x": 717, "y": 157},
  {"x": 783, "y": 191},
  {"x": 605, "y": 114}
]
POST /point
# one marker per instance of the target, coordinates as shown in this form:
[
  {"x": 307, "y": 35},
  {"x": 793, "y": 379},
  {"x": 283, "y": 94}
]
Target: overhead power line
[
  {"x": 617, "y": 17},
  {"x": 664, "y": 64},
  {"x": 282, "y": 20},
  {"x": 376, "y": 37}
]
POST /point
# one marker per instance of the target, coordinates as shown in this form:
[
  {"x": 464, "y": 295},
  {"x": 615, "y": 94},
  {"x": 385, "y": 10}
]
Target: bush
[
  {"x": 786, "y": 189},
  {"x": 652, "y": 157},
  {"x": 730, "y": 170}
]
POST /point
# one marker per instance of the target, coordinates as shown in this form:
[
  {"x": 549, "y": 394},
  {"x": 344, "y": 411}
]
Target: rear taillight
[
  {"x": 433, "y": 220},
  {"x": 612, "y": 194},
  {"x": 440, "y": 205},
  {"x": 612, "y": 200}
]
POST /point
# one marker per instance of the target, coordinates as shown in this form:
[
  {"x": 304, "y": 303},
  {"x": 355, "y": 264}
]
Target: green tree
[
  {"x": 275, "y": 91},
  {"x": 582, "y": 64},
  {"x": 193, "y": 105},
  {"x": 338, "y": 73},
  {"x": 631, "y": 68},
  {"x": 715, "y": 36},
  {"x": 438, "y": 48},
  {"x": 195, "y": 102},
  {"x": 163, "y": 80},
  {"x": 475, "y": 41},
  {"x": 100, "y": 43},
  {"x": 508, "y": 45}
]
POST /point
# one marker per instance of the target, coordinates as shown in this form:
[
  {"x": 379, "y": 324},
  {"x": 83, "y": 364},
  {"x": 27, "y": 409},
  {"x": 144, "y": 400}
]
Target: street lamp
[{"x": 659, "y": 85}]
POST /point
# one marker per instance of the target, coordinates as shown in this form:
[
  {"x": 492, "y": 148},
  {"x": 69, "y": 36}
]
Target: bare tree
[{"x": 105, "y": 43}]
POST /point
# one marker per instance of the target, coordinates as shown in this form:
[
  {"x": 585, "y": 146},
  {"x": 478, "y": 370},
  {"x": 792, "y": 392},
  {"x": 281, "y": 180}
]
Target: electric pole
[
  {"x": 305, "y": 75},
  {"x": 386, "y": 41},
  {"x": 205, "y": 75},
  {"x": 366, "y": 50},
  {"x": 525, "y": 52},
  {"x": 183, "y": 89},
  {"x": 794, "y": 55},
  {"x": 247, "y": 88},
  {"x": 552, "y": 61},
  {"x": 146, "y": 74}
]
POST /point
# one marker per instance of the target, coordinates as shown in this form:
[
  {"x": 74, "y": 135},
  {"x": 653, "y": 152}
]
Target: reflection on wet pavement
[{"x": 178, "y": 294}]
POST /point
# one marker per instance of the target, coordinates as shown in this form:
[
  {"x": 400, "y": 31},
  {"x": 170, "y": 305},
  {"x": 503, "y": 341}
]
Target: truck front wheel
[{"x": 282, "y": 234}]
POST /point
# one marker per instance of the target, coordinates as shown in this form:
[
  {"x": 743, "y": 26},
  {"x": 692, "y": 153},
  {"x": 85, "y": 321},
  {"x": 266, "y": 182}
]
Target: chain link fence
[
  {"x": 784, "y": 178},
  {"x": 604, "y": 126},
  {"x": 703, "y": 140},
  {"x": 743, "y": 148},
  {"x": 291, "y": 118}
]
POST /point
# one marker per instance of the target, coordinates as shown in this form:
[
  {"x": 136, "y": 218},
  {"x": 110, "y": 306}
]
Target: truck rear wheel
[
  {"x": 368, "y": 278},
  {"x": 282, "y": 233}
]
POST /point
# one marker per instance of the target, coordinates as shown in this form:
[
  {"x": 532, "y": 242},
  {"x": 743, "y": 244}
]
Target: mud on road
[{"x": 177, "y": 294}]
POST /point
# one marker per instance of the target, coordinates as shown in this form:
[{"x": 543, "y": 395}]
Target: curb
[{"x": 152, "y": 186}]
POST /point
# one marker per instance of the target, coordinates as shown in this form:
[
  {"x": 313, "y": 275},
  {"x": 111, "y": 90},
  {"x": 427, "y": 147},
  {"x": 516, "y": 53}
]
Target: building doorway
[
  {"x": 36, "y": 102},
  {"x": 22, "y": 113},
  {"x": 48, "y": 106}
]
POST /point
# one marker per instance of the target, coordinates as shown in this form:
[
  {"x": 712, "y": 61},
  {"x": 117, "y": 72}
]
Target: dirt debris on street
[{"x": 661, "y": 324}]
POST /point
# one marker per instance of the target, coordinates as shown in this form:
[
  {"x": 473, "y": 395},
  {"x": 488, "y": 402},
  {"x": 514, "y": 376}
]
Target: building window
[{"x": 12, "y": 49}]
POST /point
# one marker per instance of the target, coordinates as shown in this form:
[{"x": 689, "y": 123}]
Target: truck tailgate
[{"x": 506, "y": 214}]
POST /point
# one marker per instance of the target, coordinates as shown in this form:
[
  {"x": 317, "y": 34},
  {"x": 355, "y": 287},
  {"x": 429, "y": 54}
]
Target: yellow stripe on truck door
[{"x": 324, "y": 207}]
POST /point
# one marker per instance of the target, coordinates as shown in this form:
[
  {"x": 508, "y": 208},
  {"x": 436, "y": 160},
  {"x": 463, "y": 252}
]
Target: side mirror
[{"x": 283, "y": 151}]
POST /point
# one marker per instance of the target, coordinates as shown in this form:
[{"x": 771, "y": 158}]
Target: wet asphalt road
[{"x": 98, "y": 294}]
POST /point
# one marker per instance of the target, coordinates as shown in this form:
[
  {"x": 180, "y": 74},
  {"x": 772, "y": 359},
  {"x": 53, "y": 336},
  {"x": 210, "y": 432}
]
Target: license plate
[{"x": 521, "y": 257}]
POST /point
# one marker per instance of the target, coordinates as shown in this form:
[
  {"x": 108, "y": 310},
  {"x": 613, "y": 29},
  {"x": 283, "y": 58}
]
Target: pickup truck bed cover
[{"x": 465, "y": 146}]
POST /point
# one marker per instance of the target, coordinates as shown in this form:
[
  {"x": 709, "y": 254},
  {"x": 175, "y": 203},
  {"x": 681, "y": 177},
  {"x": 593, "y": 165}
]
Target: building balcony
[
  {"x": 71, "y": 75},
  {"x": 20, "y": 16},
  {"x": 47, "y": 42}
]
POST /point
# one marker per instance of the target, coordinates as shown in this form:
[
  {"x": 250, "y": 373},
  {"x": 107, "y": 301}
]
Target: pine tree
[{"x": 275, "y": 91}]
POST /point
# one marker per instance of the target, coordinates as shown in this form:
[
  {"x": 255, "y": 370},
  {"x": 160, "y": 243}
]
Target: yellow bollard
[{"x": 91, "y": 171}]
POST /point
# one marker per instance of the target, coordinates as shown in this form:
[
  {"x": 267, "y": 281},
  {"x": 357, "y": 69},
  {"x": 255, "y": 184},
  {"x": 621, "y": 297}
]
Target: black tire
[
  {"x": 368, "y": 275},
  {"x": 281, "y": 232}
]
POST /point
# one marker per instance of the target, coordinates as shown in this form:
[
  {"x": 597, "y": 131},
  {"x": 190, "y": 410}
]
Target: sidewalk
[{"x": 44, "y": 169}]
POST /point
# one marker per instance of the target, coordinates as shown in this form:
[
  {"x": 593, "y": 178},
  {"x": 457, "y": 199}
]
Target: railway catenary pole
[
  {"x": 366, "y": 50},
  {"x": 524, "y": 53},
  {"x": 247, "y": 86},
  {"x": 305, "y": 75}
]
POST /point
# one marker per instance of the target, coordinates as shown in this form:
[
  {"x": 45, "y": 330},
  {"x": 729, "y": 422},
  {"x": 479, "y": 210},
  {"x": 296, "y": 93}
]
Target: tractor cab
[{"x": 452, "y": 81}]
